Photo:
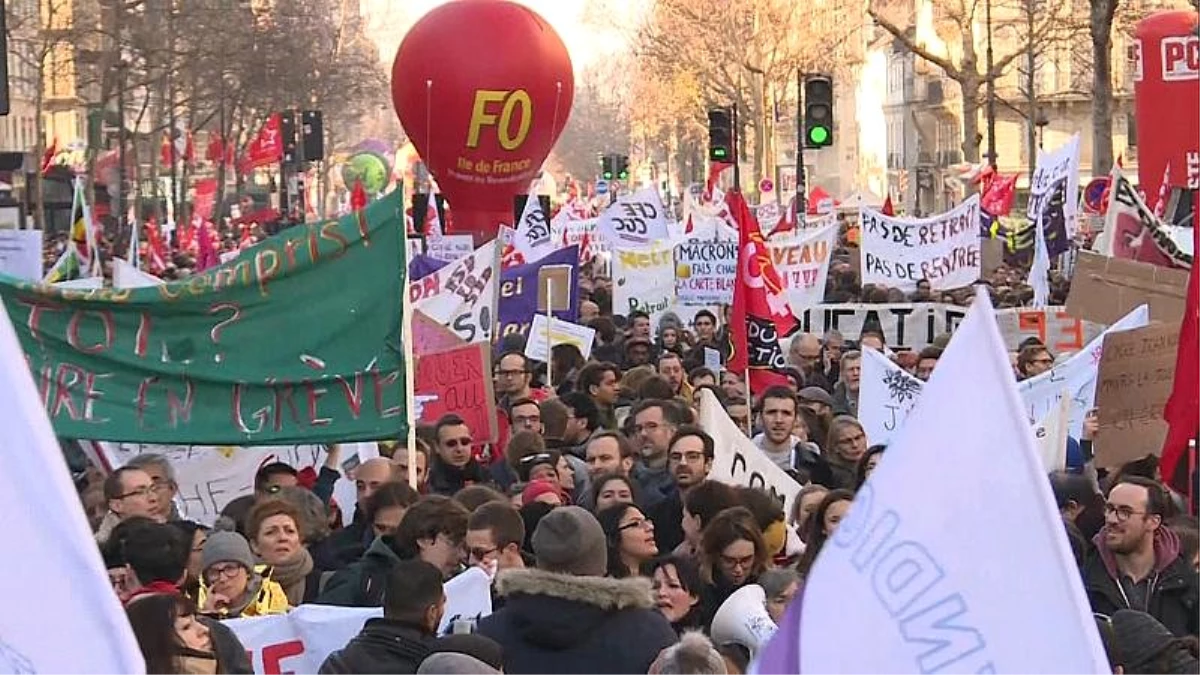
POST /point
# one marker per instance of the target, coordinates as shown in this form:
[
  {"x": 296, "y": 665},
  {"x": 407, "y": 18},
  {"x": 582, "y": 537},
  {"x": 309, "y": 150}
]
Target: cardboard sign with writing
[
  {"x": 1136, "y": 374},
  {"x": 459, "y": 381},
  {"x": 1105, "y": 289}
]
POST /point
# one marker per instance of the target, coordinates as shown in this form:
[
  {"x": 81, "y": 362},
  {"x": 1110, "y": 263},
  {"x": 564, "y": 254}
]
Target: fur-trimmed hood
[
  {"x": 549, "y": 613},
  {"x": 600, "y": 592}
]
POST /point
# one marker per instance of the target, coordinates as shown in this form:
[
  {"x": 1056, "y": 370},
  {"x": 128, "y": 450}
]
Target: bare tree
[{"x": 1100, "y": 26}]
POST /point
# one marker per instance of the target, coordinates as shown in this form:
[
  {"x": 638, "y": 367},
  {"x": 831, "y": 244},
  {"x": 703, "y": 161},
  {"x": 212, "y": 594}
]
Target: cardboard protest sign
[
  {"x": 802, "y": 261},
  {"x": 644, "y": 279},
  {"x": 431, "y": 336},
  {"x": 1075, "y": 378},
  {"x": 459, "y": 381},
  {"x": 738, "y": 461},
  {"x": 635, "y": 219},
  {"x": 296, "y": 339},
  {"x": 21, "y": 254},
  {"x": 943, "y": 249},
  {"x": 916, "y": 325},
  {"x": 301, "y": 640},
  {"x": 704, "y": 272},
  {"x": 1136, "y": 375},
  {"x": 1105, "y": 289},
  {"x": 537, "y": 347},
  {"x": 462, "y": 295},
  {"x": 523, "y": 290}
]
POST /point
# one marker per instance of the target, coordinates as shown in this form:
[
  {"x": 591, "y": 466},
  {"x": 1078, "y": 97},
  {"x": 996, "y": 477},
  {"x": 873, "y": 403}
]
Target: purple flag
[
  {"x": 422, "y": 266},
  {"x": 519, "y": 290}
]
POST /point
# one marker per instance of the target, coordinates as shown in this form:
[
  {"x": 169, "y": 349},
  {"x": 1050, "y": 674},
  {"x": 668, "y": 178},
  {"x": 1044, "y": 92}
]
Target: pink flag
[{"x": 207, "y": 256}]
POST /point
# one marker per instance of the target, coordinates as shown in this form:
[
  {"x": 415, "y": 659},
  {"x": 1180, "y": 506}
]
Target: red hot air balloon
[{"x": 483, "y": 89}]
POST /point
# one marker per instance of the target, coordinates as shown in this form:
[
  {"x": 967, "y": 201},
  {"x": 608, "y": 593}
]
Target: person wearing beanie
[
  {"x": 564, "y": 616},
  {"x": 1143, "y": 645},
  {"x": 543, "y": 491},
  {"x": 232, "y": 585},
  {"x": 485, "y": 651},
  {"x": 454, "y": 663}
]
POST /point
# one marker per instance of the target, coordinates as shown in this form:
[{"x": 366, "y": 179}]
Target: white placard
[
  {"x": 299, "y": 641},
  {"x": 704, "y": 272},
  {"x": 944, "y": 249},
  {"x": 802, "y": 261},
  {"x": 1059, "y": 165},
  {"x": 886, "y": 396},
  {"x": 918, "y": 564},
  {"x": 449, "y": 247},
  {"x": 462, "y": 295},
  {"x": 636, "y": 219},
  {"x": 209, "y": 477},
  {"x": 644, "y": 279},
  {"x": 47, "y": 537},
  {"x": 561, "y": 333},
  {"x": 21, "y": 254},
  {"x": 738, "y": 461},
  {"x": 916, "y": 325}
]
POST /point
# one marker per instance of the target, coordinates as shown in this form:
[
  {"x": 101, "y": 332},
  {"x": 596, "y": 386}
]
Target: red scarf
[{"x": 152, "y": 588}]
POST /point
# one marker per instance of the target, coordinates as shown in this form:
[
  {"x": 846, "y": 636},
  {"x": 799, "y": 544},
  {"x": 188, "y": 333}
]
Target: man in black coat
[
  {"x": 565, "y": 616},
  {"x": 413, "y": 606}
]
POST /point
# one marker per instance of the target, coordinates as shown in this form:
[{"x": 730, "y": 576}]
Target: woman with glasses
[
  {"x": 846, "y": 445},
  {"x": 232, "y": 585},
  {"x": 732, "y": 554},
  {"x": 629, "y": 536}
]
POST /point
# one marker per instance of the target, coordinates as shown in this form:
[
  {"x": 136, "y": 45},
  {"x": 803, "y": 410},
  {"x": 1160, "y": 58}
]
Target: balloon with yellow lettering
[{"x": 483, "y": 89}]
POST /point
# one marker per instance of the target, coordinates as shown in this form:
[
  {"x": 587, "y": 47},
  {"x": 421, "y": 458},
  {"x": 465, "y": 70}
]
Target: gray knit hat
[
  {"x": 453, "y": 663},
  {"x": 226, "y": 547},
  {"x": 570, "y": 540}
]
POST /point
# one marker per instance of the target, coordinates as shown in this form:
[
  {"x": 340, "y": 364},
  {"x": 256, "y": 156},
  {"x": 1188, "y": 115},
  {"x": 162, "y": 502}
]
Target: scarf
[
  {"x": 152, "y": 588},
  {"x": 291, "y": 574}
]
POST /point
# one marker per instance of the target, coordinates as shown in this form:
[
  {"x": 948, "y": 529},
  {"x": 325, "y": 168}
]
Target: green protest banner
[{"x": 295, "y": 340}]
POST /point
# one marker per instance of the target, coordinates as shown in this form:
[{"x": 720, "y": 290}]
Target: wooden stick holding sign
[{"x": 549, "y": 333}]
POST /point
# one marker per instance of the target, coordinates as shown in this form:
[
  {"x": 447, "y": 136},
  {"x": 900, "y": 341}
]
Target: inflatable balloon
[
  {"x": 483, "y": 89},
  {"x": 368, "y": 167},
  {"x": 1167, "y": 95}
]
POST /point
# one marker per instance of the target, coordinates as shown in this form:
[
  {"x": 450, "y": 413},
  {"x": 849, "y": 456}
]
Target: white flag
[
  {"x": 126, "y": 275},
  {"x": 533, "y": 237},
  {"x": 462, "y": 295},
  {"x": 1039, "y": 272},
  {"x": 635, "y": 219},
  {"x": 953, "y": 556},
  {"x": 887, "y": 394},
  {"x": 63, "y": 616}
]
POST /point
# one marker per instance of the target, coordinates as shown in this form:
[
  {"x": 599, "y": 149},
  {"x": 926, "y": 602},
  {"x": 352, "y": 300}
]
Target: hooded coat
[
  {"x": 1174, "y": 591},
  {"x": 558, "y": 623},
  {"x": 383, "y": 646},
  {"x": 362, "y": 583}
]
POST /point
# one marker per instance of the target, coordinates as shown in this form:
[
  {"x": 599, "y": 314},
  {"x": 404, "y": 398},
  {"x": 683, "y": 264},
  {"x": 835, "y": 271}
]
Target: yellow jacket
[{"x": 268, "y": 597}]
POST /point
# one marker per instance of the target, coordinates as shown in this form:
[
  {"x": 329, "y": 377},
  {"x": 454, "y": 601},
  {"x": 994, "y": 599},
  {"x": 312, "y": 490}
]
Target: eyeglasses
[
  {"x": 642, "y": 523},
  {"x": 1043, "y": 361},
  {"x": 162, "y": 485},
  {"x": 539, "y": 458},
  {"x": 688, "y": 457},
  {"x": 481, "y": 554},
  {"x": 222, "y": 571},
  {"x": 144, "y": 491},
  {"x": 1122, "y": 513},
  {"x": 736, "y": 563}
]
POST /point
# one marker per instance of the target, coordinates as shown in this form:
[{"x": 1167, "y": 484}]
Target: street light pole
[{"x": 991, "y": 89}]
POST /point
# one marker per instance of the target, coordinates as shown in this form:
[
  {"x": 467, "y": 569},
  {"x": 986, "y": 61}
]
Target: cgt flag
[
  {"x": 760, "y": 313},
  {"x": 926, "y": 572}
]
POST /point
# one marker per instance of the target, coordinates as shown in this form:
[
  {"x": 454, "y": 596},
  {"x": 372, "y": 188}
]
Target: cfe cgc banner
[{"x": 917, "y": 325}]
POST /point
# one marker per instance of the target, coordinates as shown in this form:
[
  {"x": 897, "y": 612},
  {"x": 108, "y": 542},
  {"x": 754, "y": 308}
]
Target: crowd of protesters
[{"x": 611, "y": 547}]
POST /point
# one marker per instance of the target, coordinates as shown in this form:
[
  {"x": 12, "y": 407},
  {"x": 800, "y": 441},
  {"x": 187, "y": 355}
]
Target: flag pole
[
  {"x": 549, "y": 331},
  {"x": 410, "y": 379}
]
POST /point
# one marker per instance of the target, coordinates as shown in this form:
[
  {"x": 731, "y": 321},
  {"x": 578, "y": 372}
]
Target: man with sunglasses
[
  {"x": 453, "y": 467},
  {"x": 1136, "y": 563}
]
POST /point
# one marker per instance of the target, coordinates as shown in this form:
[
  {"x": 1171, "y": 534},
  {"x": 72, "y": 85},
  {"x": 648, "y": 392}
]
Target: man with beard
[
  {"x": 654, "y": 425},
  {"x": 1136, "y": 562},
  {"x": 689, "y": 461}
]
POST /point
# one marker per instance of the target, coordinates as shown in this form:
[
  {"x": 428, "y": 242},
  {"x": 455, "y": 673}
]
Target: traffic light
[
  {"x": 720, "y": 135},
  {"x": 622, "y": 167},
  {"x": 818, "y": 111},
  {"x": 608, "y": 167}
]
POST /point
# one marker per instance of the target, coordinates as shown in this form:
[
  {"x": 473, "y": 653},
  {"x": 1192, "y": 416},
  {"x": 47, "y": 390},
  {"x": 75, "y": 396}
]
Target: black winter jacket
[
  {"x": 362, "y": 584},
  {"x": 383, "y": 646},
  {"x": 557, "y": 623},
  {"x": 1174, "y": 587}
]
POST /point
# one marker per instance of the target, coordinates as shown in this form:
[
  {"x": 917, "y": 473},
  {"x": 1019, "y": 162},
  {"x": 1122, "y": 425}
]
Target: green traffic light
[
  {"x": 719, "y": 152},
  {"x": 623, "y": 175},
  {"x": 607, "y": 175},
  {"x": 818, "y": 135}
]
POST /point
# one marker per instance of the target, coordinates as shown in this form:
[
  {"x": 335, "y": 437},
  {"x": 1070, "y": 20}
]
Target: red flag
[
  {"x": 156, "y": 250},
  {"x": 358, "y": 196},
  {"x": 189, "y": 149},
  {"x": 1182, "y": 411},
  {"x": 48, "y": 156},
  {"x": 266, "y": 148},
  {"x": 166, "y": 152},
  {"x": 714, "y": 176},
  {"x": 215, "y": 151},
  {"x": 998, "y": 198},
  {"x": 207, "y": 256},
  {"x": 1164, "y": 190},
  {"x": 888, "y": 210},
  {"x": 760, "y": 314}
]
